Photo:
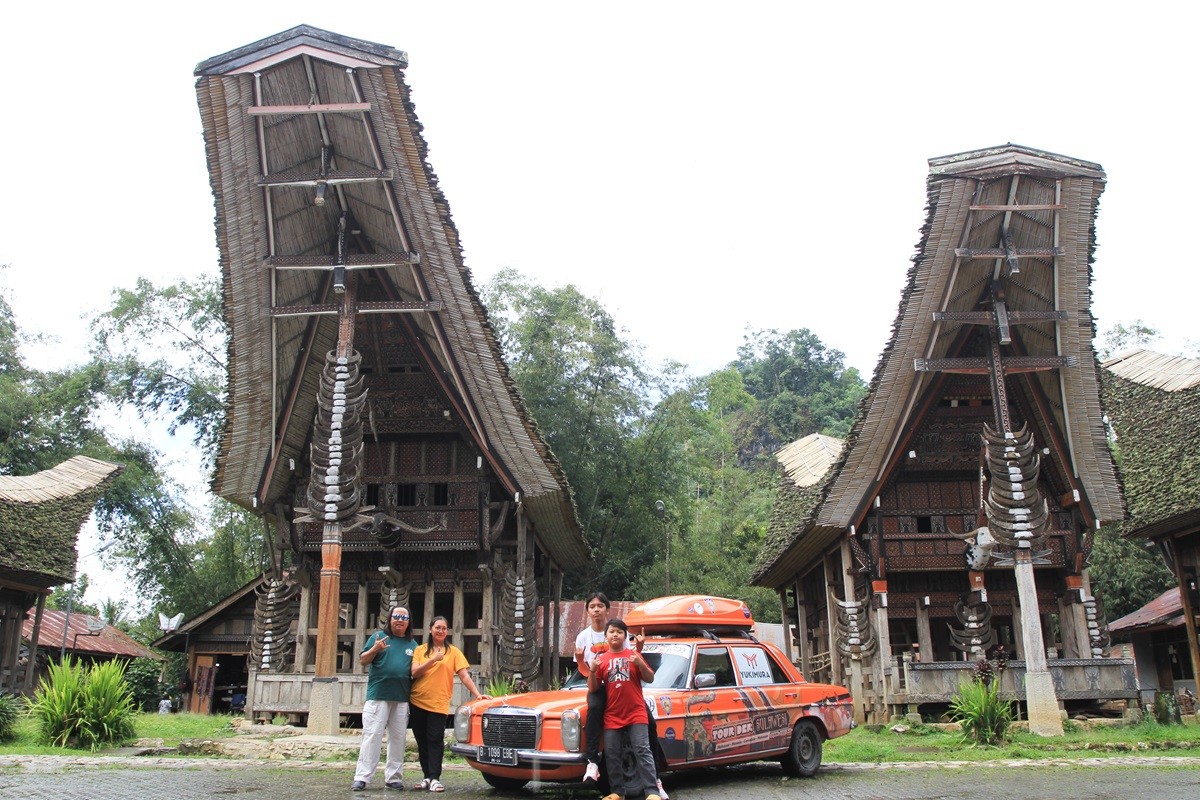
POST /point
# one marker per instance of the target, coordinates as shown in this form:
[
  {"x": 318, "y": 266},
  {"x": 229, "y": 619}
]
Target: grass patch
[
  {"x": 173, "y": 727},
  {"x": 928, "y": 744},
  {"x": 168, "y": 727}
]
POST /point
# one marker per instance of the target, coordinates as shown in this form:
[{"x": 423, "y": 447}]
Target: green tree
[
  {"x": 589, "y": 391},
  {"x": 1126, "y": 336},
  {"x": 800, "y": 387},
  {"x": 164, "y": 350},
  {"x": 47, "y": 417},
  {"x": 1125, "y": 573},
  {"x": 72, "y": 594}
]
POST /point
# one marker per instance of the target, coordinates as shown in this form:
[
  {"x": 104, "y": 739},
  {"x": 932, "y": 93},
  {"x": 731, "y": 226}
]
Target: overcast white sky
[{"x": 701, "y": 167}]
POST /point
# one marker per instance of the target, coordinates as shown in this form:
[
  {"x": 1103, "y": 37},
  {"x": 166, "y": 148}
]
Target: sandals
[
  {"x": 424, "y": 784},
  {"x": 436, "y": 786}
]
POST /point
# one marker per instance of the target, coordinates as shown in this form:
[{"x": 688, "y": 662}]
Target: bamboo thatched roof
[
  {"x": 971, "y": 197},
  {"x": 40, "y": 517},
  {"x": 1153, "y": 403},
  {"x": 299, "y": 128}
]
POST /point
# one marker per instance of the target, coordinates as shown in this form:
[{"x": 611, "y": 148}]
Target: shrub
[
  {"x": 499, "y": 686},
  {"x": 1166, "y": 709},
  {"x": 78, "y": 707},
  {"x": 10, "y": 709},
  {"x": 142, "y": 675},
  {"x": 108, "y": 706},
  {"x": 984, "y": 717}
]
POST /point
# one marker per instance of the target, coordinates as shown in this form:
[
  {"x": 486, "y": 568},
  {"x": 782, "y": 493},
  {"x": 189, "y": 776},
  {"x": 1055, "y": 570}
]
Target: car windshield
[
  {"x": 575, "y": 681},
  {"x": 670, "y": 664}
]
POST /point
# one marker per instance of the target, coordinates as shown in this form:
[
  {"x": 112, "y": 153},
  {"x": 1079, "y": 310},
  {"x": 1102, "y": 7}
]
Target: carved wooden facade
[
  {"x": 979, "y": 450},
  {"x": 372, "y": 420}
]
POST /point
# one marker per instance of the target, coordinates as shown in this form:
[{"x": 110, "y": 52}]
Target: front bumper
[{"x": 540, "y": 760}]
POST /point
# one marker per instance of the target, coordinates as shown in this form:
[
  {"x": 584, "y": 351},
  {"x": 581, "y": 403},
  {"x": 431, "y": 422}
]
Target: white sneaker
[
  {"x": 592, "y": 773},
  {"x": 662, "y": 792}
]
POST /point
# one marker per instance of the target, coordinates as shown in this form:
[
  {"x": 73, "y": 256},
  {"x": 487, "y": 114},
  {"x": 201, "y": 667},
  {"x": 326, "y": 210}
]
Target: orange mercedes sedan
[{"x": 719, "y": 696}]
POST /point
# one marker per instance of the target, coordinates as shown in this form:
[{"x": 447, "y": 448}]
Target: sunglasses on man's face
[{"x": 401, "y": 617}]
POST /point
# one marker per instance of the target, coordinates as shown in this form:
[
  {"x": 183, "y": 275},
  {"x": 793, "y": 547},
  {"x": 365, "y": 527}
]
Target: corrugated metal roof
[
  {"x": 1160, "y": 371},
  {"x": 82, "y": 636},
  {"x": 1164, "y": 611}
]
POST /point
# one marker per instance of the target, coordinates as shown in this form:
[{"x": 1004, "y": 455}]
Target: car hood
[{"x": 551, "y": 703}]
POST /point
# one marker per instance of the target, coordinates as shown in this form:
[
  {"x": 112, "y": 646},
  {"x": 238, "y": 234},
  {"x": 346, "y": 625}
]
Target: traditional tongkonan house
[
  {"x": 959, "y": 514},
  {"x": 371, "y": 419},
  {"x": 40, "y": 518},
  {"x": 1153, "y": 402}
]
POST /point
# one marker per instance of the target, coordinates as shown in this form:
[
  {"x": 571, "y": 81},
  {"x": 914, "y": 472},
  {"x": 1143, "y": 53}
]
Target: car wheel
[
  {"x": 500, "y": 782},
  {"x": 804, "y": 757}
]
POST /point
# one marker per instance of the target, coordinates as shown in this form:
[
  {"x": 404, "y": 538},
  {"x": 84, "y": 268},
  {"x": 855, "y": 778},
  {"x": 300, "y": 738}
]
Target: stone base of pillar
[
  {"x": 1044, "y": 716},
  {"x": 323, "y": 703}
]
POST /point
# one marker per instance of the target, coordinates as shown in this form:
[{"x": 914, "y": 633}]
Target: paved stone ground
[{"x": 116, "y": 778}]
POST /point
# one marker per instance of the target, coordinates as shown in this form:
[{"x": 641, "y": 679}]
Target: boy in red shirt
[{"x": 621, "y": 672}]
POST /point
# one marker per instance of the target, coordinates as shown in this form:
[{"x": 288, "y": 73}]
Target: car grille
[{"x": 510, "y": 730}]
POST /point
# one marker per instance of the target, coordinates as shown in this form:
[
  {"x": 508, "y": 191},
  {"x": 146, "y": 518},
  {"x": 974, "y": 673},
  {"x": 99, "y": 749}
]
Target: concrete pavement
[{"x": 123, "y": 778}]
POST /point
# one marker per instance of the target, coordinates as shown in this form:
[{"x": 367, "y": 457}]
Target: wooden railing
[
  {"x": 1074, "y": 679},
  {"x": 288, "y": 693}
]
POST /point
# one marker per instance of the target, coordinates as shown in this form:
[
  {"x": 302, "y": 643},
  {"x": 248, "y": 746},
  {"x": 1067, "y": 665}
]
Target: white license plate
[{"x": 489, "y": 754}]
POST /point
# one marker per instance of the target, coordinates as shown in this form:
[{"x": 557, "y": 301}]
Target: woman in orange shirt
[{"x": 434, "y": 666}]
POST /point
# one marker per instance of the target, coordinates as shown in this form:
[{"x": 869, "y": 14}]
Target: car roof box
[{"x": 690, "y": 613}]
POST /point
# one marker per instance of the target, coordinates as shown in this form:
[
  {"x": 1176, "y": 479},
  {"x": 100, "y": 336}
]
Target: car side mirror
[{"x": 705, "y": 680}]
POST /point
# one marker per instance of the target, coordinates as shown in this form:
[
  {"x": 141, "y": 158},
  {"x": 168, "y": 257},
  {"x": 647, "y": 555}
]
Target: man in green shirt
[{"x": 388, "y": 653}]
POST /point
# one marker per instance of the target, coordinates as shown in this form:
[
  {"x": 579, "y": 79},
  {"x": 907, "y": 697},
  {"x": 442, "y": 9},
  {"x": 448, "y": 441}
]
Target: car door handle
[{"x": 791, "y": 694}]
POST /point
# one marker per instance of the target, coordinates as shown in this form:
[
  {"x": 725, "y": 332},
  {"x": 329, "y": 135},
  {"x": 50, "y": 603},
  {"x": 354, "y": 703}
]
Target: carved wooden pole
[{"x": 328, "y": 612}]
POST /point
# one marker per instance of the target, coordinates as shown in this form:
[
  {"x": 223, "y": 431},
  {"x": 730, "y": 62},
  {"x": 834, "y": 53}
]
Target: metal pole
[{"x": 62, "y": 652}]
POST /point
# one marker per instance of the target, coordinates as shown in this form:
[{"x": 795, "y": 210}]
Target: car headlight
[
  {"x": 570, "y": 730},
  {"x": 462, "y": 724}
]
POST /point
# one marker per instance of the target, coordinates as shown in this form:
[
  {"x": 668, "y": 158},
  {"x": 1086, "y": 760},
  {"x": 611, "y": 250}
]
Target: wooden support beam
[
  {"x": 1019, "y": 207},
  {"x": 312, "y": 108},
  {"x": 1069, "y": 499},
  {"x": 989, "y": 318},
  {"x": 351, "y": 261},
  {"x": 335, "y": 177},
  {"x": 980, "y": 366},
  {"x": 373, "y": 307},
  {"x": 1000, "y": 252},
  {"x": 1010, "y": 253}
]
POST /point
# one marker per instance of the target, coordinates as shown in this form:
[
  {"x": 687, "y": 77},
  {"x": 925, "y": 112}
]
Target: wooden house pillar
[
  {"x": 456, "y": 627},
  {"x": 835, "y": 660},
  {"x": 884, "y": 663},
  {"x": 300, "y": 664},
  {"x": 857, "y": 687},
  {"x": 924, "y": 633},
  {"x": 487, "y": 636},
  {"x": 789, "y": 649},
  {"x": 427, "y": 616},
  {"x": 361, "y": 623},
  {"x": 556, "y": 662},
  {"x": 804, "y": 646},
  {"x": 1040, "y": 698},
  {"x": 31, "y": 663},
  {"x": 1018, "y": 632}
]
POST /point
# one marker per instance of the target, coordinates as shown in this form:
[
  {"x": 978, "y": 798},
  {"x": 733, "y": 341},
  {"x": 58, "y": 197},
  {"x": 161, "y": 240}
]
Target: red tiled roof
[
  {"x": 80, "y": 638},
  {"x": 1165, "y": 611}
]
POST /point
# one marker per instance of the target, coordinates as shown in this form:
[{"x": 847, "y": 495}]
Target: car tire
[
  {"x": 803, "y": 758},
  {"x": 500, "y": 782}
]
